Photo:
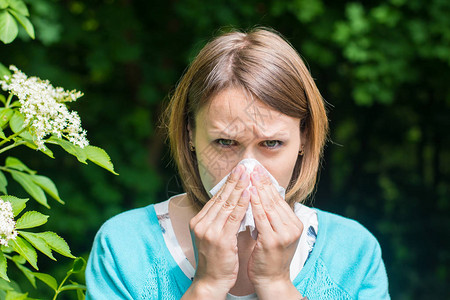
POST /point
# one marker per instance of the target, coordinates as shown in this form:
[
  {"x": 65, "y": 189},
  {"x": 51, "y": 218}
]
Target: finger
[
  {"x": 231, "y": 203},
  {"x": 224, "y": 196},
  {"x": 268, "y": 187},
  {"x": 285, "y": 211},
  {"x": 268, "y": 205},
  {"x": 235, "y": 218},
  {"x": 261, "y": 221},
  {"x": 208, "y": 205}
]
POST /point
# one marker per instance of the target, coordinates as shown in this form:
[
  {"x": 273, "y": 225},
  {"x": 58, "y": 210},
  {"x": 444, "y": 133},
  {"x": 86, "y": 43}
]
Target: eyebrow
[{"x": 227, "y": 135}]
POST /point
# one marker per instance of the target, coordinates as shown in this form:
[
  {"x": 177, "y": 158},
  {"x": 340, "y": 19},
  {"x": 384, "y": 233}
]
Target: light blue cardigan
[{"x": 130, "y": 260}]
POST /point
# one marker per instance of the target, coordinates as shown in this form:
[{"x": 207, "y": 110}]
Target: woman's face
[{"x": 233, "y": 127}]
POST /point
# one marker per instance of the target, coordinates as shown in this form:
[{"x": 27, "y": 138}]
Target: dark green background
[{"x": 383, "y": 67}]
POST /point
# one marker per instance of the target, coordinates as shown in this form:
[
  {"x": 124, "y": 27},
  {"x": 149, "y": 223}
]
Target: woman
[{"x": 245, "y": 96}]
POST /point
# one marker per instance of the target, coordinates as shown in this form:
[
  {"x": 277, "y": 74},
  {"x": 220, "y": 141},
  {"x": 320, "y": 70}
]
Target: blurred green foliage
[{"x": 383, "y": 67}]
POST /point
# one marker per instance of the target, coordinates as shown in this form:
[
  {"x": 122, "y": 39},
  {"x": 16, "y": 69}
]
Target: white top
[{"x": 307, "y": 215}]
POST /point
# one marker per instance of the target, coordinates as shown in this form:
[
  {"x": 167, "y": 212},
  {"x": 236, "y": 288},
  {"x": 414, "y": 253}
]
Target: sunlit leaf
[
  {"x": 14, "y": 163},
  {"x": 26, "y": 250},
  {"x": 70, "y": 148},
  {"x": 48, "y": 186},
  {"x": 23, "y": 20},
  {"x": 19, "y": 6},
  {"x": 56, "y": 242},
  {"x": 16, "y": 124},
  {"x": 5, "y": 286},
  {"x": 100, "y": 157},
  {"x": 13, "y": 295},
  {"x": 26, "y": 181},
  {"x": 31, "y": 219},
  {"x": 3, "y": 267},
  {"x": 8, "y": 27},
  {"x": 3, "y": 183},
  {"x": 38, "y": 242},
  {"x": 17, "y": 204},
  {"x": 47, "y": 279},
  {"x": 3, "y": 4},
  {"x": 5, "y": 116}
]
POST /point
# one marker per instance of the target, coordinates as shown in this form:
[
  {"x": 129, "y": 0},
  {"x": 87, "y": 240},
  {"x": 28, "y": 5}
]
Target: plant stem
[
  {"x": 8, "y": 100},
  {"x": 12, "y": 136},
  {"x": 61, "y": 285},
  {"x": 12, "y": 146}
]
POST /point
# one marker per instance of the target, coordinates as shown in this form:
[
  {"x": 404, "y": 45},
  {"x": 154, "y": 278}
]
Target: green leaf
[
  {"x": 14, "y": 163},
  {"x": 78, "y": 266},
  {"x": 38, "y": 242},
  {"x": 28, "y": 274},
  {"x": 70, "y": 148},
  {"x": 3, "y": 183},
  {"x": 26, "y": 250},
  {"x": 15, "y": 104},
  {"x": 5, "y": 116},
  {"x": 31, "y": 219},
  {"x": 4, "y": 71},
  {"x": 73, "y": 287},
  {"x": 13, "y": 295},
  {"x": 47, "y": 279},
  {"x": 19, "y": 6},
  {"x": 56, "y": 242},
  {"x": 44, "y": 150},
  {"x": 17, "y": 204},
  {"x": 5, "y": 286},
  {"x": 3, "y": 4},
  {"x": 100, "y": 157},
  {"x": 26, "y": 181},
  {"x": 48, "y": 186},
  {"x": 19, "y": 259},
  {"x": 23, "y": 20},
  {"x": 16, "y": 124},
  {"x": 2, "y": 134},
  {"x": 8, "y": 27},
  {"x": 3, "y": 267}
]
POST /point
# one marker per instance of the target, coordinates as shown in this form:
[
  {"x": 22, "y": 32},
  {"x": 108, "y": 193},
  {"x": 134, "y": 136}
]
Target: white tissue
[{"x": 248, "y": 219}]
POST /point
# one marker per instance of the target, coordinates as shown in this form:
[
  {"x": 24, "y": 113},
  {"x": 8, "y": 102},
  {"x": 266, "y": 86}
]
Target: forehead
[{"x": 234, "y": 111}]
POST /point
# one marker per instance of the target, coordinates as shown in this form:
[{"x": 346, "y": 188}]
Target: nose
[{"x": 247, "y": 153}]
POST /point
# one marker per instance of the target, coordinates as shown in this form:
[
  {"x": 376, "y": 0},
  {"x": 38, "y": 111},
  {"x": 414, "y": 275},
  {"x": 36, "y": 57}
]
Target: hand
[
  {"x": 214, "y": 233},
  {"x": 279, "y": 231}
]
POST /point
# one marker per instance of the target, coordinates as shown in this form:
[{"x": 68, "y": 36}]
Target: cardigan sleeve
[
  {"x": 375, "y": 283},
  {"x": 103, "y": 278}
]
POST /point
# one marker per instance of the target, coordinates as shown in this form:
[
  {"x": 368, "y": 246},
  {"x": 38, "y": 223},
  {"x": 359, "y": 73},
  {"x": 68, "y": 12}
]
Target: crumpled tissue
[{"x": 248, "y": 220}]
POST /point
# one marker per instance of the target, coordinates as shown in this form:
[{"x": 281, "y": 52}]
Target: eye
[
  {"x": 272, "y": 144},
  {"x": 224, "y": 143}
]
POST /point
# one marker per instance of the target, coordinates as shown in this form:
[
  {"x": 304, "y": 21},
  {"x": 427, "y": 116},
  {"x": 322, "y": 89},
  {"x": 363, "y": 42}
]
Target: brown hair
[{"x": 264, "y": 64}]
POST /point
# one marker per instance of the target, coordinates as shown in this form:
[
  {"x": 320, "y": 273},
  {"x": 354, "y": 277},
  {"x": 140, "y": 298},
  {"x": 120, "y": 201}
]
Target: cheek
[
  {"x": 213, "y": 168},
  {"x": 282, "y": 170}
]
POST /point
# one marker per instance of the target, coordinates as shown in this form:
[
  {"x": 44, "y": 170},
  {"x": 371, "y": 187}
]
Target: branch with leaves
[
  {"x": 13, "y": 13},
  {"x": 35, "y": 114}
]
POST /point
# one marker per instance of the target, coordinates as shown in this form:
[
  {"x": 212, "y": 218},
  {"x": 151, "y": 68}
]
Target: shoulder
[
  {"x": 129, "y": 220},
  {"x": 351, "y": 254},
  {"x": 342, "y": 230},
  {"x": 136, "y": 227}
]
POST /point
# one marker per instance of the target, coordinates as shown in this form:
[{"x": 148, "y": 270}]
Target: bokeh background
[{"x": 382, "y": 66}]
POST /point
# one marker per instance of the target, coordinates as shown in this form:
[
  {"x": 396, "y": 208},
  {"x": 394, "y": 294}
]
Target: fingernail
[
  {"x": 256, "y": 176},
  {"x": 254, "y": 190},
  {"x": 245, "y": 193},
  {"x": 243, "y": 176}
]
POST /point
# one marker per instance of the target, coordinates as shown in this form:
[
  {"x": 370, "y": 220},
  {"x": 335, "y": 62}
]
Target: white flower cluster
[
  {"x": 44, "y": 108},
  {"x": 7, "y": 223}
]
